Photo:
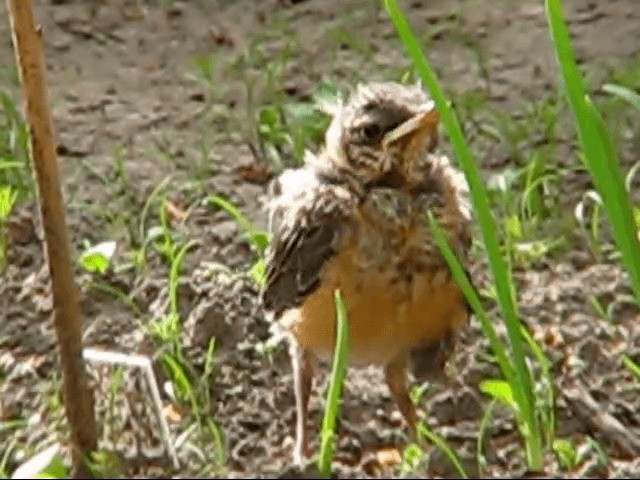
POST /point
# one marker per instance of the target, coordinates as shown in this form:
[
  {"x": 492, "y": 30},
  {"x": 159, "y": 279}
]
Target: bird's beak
[{"x": 414, "y": 131}]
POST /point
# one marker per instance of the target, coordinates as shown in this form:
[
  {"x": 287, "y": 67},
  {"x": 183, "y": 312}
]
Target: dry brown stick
[
  {"x": 78, "y": 398},
  {"x": 587, "y": 408}
]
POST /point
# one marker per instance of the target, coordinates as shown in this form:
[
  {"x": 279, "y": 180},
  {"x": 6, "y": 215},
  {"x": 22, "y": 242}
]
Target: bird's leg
[
  {"x": 428, "y": 361},
  {"x": 398, "y": 382},
  {"x": 302, "y": 381}
]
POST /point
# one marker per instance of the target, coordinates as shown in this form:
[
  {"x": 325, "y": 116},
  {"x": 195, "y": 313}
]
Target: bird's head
[{"x": 379, "y": 132}]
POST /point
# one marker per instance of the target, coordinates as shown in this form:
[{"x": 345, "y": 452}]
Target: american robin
[{"x": 353, "y": 218}]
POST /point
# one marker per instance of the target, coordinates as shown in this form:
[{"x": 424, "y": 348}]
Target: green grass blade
[
  {"x": 9, "y": 425},
  {"x": 174, "y": 275},
  {"x": 626, "y": 94},
  {"x": 632, "y": 366},
  {"x": 338, "y": 371},
  {"x": 218, "y": 438},
  {"x": 257, "y": 239},
  {"x": 443, "y": 446},
  {"x": 548, "y": 408},
  {"x": 6, "y": 164},
  {"x": 480, "y": 201},
  {"x": 484, "y": 425},
  {"x": 598, "y": 148},
  {"x": 472, "y": 297},
  {"x": 619, "y": 206}
]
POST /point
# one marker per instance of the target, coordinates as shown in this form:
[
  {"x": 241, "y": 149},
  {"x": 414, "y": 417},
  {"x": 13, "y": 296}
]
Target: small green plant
[
  {"x": 307, "y": 125},
  {"x": 588, "y": 214},
  {"x": 540, "y": 183},
  {"x": 97, "y": 258},
  {"x": 589, "y": 210},
  {"x": 8, "y": 197},
  {"x": 9, "y": 444},
  {"x": 167, "y": 328},
  {"x": 413, "y": 459},
  {"x": 205, "y": 75},
  {"x": 530, "y": 130},
  {"x": 602, "y": 312},
  {"x": 544, "y": 388},
  {"x": 105, "y": 464},
  {"x": 192, "y": 389},
  {"x": 521, "y": 198},
  {"x": 261, "y": 125},
  {"x": 425, "y": 433},
  {"x": 338, "y": 371},
  {"x": 276, "y": 129},
  {"x": 114, "y": 391},
  {"x": 417, "y": 392},
  {"x": 258, "y": 240},
  {"x": 570, "y": 456},
  {"x": 188, "y": 386},
  {"x": 288, "y": 129},
  {"x": 566, "y": 452},
  {"x": 273, "y": 135},
  {"x": 15, "y": 167}
]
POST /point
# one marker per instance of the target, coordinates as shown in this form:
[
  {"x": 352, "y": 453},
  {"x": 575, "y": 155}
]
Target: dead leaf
[
  {"x": 172, "y": 413},
  {"x": 388, "y": 457},
  {"x": 151, "y": 67},
  {"x": 255, "y": 173},
  {"x": 549, "y": 336},
  {"x": 176, "y": 214}
]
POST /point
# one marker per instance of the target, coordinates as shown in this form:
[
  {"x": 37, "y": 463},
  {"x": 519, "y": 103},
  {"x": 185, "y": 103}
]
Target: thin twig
[{"x": 589, "y": 410}]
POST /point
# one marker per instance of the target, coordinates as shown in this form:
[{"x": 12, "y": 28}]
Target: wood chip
[
  {"x": 388, "y": 457},
  {"x": 172, "y": 413}
]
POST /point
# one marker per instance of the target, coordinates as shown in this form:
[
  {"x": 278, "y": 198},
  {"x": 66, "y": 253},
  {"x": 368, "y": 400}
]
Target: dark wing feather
[
  {"x": 295, "y": 266},
  {"x": 300, "y": 248}
]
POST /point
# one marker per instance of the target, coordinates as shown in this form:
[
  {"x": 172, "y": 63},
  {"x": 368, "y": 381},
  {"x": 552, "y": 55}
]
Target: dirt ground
[{"x": 121, "y": 77}]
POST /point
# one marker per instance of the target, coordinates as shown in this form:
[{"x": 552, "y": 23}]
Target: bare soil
[{"x": 119, "y": 82}]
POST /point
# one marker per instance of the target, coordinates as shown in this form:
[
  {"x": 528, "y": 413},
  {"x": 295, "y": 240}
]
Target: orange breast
[{"x": 386, "y": 315}]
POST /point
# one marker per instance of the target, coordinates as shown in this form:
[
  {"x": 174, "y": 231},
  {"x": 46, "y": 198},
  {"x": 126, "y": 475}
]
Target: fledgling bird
[{"x": 353, "y": 218}]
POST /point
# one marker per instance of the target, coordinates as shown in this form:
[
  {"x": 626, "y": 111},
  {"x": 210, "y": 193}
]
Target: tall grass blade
[
  {"x": 338, "y": 370},
  {"x": 600, "y": 155},
  {"x": 502, "y": 277},
  {"x": 472, "y": 297}
]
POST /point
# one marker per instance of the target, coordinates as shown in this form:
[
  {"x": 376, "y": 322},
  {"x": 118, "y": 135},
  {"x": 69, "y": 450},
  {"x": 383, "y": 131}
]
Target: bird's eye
[{"x": 369, "y": 133}]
